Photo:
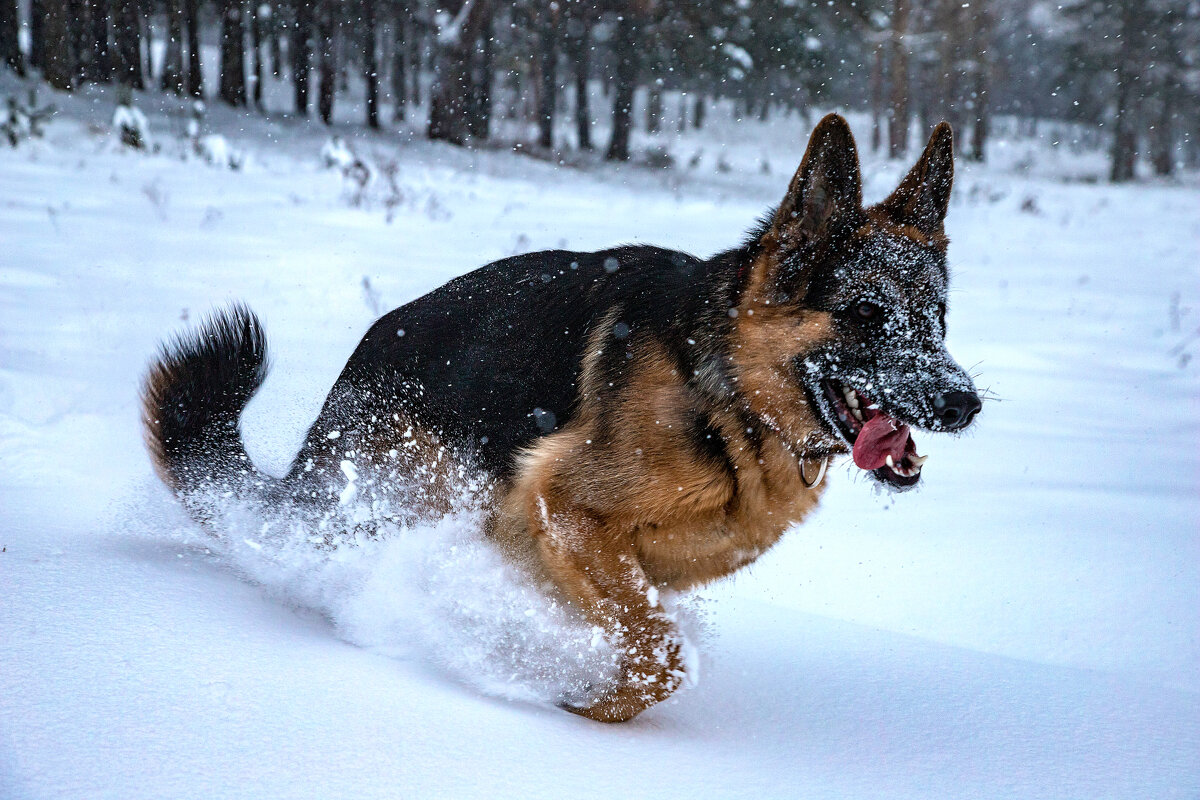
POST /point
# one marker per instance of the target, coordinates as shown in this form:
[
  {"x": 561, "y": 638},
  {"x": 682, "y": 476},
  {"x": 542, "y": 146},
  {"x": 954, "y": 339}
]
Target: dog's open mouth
[{"x": 880, "y": 444}]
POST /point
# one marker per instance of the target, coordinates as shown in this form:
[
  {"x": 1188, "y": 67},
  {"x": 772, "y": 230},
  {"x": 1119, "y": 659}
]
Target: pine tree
[
  {"x": 10, "y": 42},
  {"x": 233, "y": 54},
  {"x": 479, "y": 101},
  {"x": 548, "y": 18},
  {"x": 172, "y": 80},
  {"x": 626, "y": 51},
  {"x": 578, "y": 49},
  {"x": 459, "y": 26},
  {"x": 37, "y": 33},
  {"x": 401, "y": 30},
  {"x": 326, "y": 60},
  {"x": 981, "y": 30},
  {"x": 370, "y": 17},
  {"x": 58, "y": 67},
  {"x": 300, "y": 48},
  {"x": 127, "y": 34},
  {"x": 1122, "y": 65},
  {"x": 191, "y": 20},
  {"x": 898, "y": 113},
  {"x": 260, "y": 19},
  {"x": 78, "y": 29}
]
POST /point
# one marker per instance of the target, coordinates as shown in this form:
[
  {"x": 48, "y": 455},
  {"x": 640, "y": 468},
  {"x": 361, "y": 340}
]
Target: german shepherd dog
[{"x": 644, "y": 419}]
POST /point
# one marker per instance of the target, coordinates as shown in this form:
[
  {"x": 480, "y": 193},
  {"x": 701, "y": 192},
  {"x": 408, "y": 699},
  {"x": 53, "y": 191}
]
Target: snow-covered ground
[{"x": 1027, "y": 625}]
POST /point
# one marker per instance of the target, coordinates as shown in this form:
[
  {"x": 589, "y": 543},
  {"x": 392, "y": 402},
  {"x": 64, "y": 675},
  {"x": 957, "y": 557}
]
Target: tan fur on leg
[{"x": 594, "y": 564}]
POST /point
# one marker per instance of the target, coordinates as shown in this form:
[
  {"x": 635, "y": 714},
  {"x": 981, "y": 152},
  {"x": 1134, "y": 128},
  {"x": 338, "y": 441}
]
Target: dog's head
[{"x": 841, "y": 321}]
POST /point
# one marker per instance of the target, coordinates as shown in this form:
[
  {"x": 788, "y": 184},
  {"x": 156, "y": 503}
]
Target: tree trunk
[
  {"x": 79, "y": 28},
  {"x": 698, "y": 114},
  {"x": 301, "y": 54},
  {"x": 981, "y": 28},
  {"x": 981, "y": 129},
  {"x": 191, "y": 21},
  {"x": 625, "y": 46},
  {"x": 479, "y": 119},
  {"x": 547, "y": 64},
  {"x": 233, "y": 54},
  {"x": 326, "y": 61},
  {"x": 951, "y": 89},
  {"x": 654, "y": 110},
  {"x": 147, "y": 37},
  {"x": 1191, "y": 144},
  {"x": 578, "y": 50},
  {"x": 57, "y": 68},
  {"x": 258, "y": 31},
  {"x": 416, "y": 60},
  {"x": 452, "y": 69},
  {"x": 10, "y": 40},
  {"x": 276, "y": 42},
  {"x": 172, "y": 69},
  {"x": 877, "y": 112},
  {"x": 899, "y": 112},
  {"x": 1124, "y": 148},
  {"x": 1163, "y": 140},
  {"x": 924, "y": 90},
  {"x": 37, "y": 33},
  {"x": 400, "y": 30},
  {"x": 127, "y": 33},
  {"x": 370, "y": 16}
]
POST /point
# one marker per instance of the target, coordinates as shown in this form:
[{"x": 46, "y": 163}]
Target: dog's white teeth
[
  {"x": 852, "y": 403},
  {"x": 917, "y": 460},
  {"x": 891, "y": 462}
]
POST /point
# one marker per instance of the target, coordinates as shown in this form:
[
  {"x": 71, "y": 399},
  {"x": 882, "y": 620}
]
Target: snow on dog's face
[
  {"x": 887, "y": 369},
  {"x": 871, "y": 285}
]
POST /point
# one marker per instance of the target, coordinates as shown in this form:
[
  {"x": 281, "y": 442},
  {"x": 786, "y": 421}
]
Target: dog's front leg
[{"x": 596, "y": 567}]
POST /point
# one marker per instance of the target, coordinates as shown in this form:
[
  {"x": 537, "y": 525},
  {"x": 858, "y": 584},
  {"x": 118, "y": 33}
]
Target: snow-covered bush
[
  {"x": 335, "y": 153},
  {"x": 212, "y": 148},
  {"x": 195, "y": 117},
  {"x": 24, "y": 120},
  {"x": 216, "y": 150},
  {"x": 658, "y": 157},
  {"x": 131, "y": 125}
]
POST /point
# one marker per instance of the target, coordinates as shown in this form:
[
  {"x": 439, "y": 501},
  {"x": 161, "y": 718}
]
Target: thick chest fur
[
  {"x": 708, "y": 544},
  {"x": 645, "y": 475}
]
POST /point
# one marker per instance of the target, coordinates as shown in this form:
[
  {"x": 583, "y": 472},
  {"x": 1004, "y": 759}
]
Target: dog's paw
[
  {"x": 620, "y": 705},
  {"x": 624, "y": 702},
  {"x": 580, "y": 696},
  {"x": 638, "y": 690}
]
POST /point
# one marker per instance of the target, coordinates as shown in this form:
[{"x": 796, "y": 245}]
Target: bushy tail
[{"x": 193, "y": 397}]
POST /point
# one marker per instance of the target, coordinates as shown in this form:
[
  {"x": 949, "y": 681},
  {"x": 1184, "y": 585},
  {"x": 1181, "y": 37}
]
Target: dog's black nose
[{"x": 955, "y": 410}]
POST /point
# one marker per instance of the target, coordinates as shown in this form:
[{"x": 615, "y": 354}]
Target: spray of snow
[{"x": 435, "y": 590}]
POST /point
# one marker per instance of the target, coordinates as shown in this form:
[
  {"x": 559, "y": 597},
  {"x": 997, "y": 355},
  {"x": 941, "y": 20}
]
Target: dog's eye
[{"x": 866, "y": 310}]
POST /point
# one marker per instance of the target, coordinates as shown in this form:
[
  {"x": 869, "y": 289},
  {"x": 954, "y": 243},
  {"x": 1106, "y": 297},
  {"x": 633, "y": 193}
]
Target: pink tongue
[{"x": 879, "y": 438}]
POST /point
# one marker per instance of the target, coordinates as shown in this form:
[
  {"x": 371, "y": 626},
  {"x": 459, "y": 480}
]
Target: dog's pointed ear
[
  {"x": 923, "y": 196},
  {"x": 826, "y": 189}
]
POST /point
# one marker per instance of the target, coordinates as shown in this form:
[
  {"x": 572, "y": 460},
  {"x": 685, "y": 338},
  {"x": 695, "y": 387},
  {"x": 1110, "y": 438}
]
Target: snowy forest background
[
  {"x": 1024, "y": 625},
  {"x": 1127, "y": 70}
]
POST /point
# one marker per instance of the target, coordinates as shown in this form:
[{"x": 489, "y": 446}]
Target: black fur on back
[
  {"x": 492, "y": 359},
  {"x": 193, "y": 397}
]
